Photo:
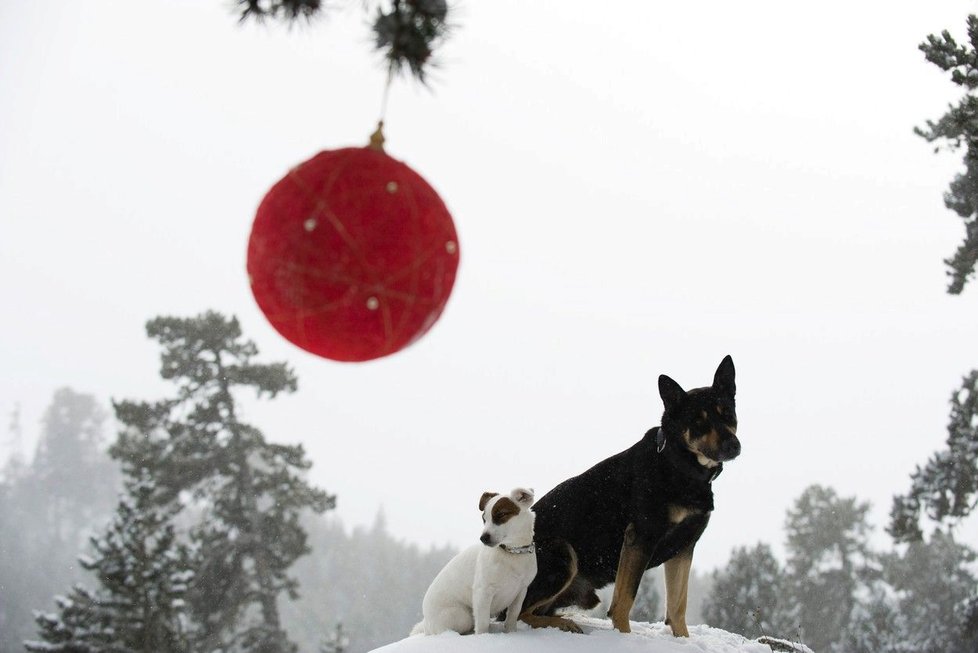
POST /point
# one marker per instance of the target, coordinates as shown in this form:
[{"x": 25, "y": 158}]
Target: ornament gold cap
[{"x": 377, "y": 138}]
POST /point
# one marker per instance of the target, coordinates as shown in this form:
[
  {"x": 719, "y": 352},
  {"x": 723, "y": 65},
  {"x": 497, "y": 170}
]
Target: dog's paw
[
  {"x": 536, "y": 621},
  {"x": 568, "y": 626},
  {"x": 679, "y": 630}
]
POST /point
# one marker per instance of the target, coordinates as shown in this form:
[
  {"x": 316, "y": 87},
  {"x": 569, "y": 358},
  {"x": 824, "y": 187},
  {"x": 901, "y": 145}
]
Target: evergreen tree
[
  {"x": 936, "y": 590},
  {"x": 958, "y": 128},
  {"x": 946, "y": 488},
  {"x": 15, "y": 468},
  {"x": 828, "y": 558},
  {"x": 335, "y": 642},
  {"x": 248, "y": 493},
  {"x": 875, "y": 624},
  {"x": 49, "y": 507},
  {"x": 923, "y": 602},
  {"x": 69, "y": 455},
  {"x": 143, "y": 573},
  {"x": 748, "y": 595},
  {"x": 349, "y": 574}
]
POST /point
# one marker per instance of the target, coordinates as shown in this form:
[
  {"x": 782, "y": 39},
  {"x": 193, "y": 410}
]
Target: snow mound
[{"x": 599, "y": 637}]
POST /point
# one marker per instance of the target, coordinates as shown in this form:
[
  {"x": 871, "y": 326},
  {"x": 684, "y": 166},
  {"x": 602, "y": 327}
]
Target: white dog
[{"x": 485, "y": 579}]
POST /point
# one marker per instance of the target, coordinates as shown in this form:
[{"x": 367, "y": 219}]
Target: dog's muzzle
[
  {"x": 486, "y": 539},
  {"x": 729, "y": 449}
]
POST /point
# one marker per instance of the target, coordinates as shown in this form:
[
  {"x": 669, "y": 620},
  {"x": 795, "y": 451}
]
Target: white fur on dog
[{"x": 484, "y": 579}]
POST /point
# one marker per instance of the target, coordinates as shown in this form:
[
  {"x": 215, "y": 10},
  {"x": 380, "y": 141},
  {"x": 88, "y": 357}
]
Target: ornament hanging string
[
  {"x": 386, "y": 96},
  {"x": 377, "y": 138}
]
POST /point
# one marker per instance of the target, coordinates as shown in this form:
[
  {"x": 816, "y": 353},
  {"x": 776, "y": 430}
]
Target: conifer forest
[{"x": 288, "y": 285}]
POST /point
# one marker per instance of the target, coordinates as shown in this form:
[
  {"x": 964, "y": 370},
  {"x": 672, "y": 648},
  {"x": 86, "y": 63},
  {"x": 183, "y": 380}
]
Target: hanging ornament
[{"x": 352, "y": 255}]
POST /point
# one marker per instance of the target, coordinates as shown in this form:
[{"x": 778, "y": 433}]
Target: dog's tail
[{"x": 418, "y": 629}]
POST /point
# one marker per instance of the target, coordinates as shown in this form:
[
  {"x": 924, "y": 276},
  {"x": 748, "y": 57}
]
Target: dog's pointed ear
[
  {"x": 522, "y": 496},
  {"x": 723, "y": 380},
  {"x": 485, "y": 499},
  {"x": 671, "y": 392}
]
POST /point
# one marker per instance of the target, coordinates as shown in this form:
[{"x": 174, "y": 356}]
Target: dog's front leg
[
  {"x": 481, "y": 605},
  {"x": 677, "y": 584},
  {"x": 675, "y": 552},
  {"x": 513, "y": 611},
  {"x": 631, "y": 565}
]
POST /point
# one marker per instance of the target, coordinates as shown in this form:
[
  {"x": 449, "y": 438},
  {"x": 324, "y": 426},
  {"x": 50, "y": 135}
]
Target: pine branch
[
  {"x": 407, "y": 32},
  {"x": 956, "y": 129},
  {"x": 290, "y": 10}
]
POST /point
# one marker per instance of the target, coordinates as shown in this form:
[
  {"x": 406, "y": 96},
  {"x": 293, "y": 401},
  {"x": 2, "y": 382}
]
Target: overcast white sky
[{"x": 639, "y": 188}]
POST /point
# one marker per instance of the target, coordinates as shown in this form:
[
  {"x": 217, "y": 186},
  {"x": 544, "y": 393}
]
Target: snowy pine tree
[
  {"x": 336, "y": 641},
  {"x": 143, "y": 574},
  {"x": 936, "y": 588},
  {"x": 828, "y": 559},
  {"x": 946, "y": 488},
  {"x": 922, "y": 603},
  {"x": 68, "y": 456},
  {"x": 748, "y": 595},
  {"x": 245, "y": 493},
  {"x": 875, "y": 624},
  {"x": 49, "y": 507},
  {"x": 957, "y": 128}
]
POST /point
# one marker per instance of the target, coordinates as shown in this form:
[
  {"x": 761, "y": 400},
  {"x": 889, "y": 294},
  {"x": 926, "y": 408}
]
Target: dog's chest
[
  {"x": 496, "y": 567},
  {"x": 503, "y": 576},
  {"x": 677, "y": 513}
]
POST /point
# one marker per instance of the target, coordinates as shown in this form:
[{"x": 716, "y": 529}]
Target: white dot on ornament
[
  {"x": 392, "y": 187},
  {"x": 309, "y": 224},
  {"x": 372, "y": 303},
  {"x": 451, "y": 247}
]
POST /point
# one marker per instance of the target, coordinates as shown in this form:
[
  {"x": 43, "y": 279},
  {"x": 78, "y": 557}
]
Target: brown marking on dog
[
  {"x": 504, "y": 510},
  {"x": 709, "y": 442},
  {"x": 485, "y": 499},
  {"x": 677, "y": 586},
  {"x": 631, "y": 566},
  {"x": 542, "y": 621},
  {"x": 679, "y": 513}
]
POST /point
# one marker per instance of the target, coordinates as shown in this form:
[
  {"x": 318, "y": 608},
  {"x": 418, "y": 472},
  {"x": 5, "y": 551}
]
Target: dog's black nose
[
  {"x": 730, "y": 448},
  {"x": 485, "y": 539}
]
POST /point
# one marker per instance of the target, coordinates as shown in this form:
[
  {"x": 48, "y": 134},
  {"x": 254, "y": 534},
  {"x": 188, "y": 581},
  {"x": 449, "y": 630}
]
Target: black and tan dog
[{"x": 638, "y": 509}]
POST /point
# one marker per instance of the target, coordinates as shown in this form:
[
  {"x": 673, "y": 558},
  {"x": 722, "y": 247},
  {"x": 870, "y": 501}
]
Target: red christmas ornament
[{"x": 352, "y": 254}]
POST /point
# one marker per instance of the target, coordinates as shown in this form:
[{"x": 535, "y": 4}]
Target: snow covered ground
[{"x": 599, "y": 637}]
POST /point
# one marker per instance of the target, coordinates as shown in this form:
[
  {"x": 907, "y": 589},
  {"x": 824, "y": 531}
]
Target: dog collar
[
  {"x": 526, "y": 548},
  {"x": 708, "y": 474},
  {"x": 716, "y": 472},
  {"x": 660, "y": 440}
]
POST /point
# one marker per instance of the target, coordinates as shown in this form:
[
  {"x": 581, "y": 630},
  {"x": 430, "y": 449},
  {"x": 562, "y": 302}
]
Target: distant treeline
[
  {"x": 50, "y": 504},
  {"x": 834, "y": 592},
  {"x": 192, "y": 532}
]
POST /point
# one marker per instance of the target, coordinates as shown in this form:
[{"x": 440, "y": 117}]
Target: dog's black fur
[{"x": 640, "y": 508}]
